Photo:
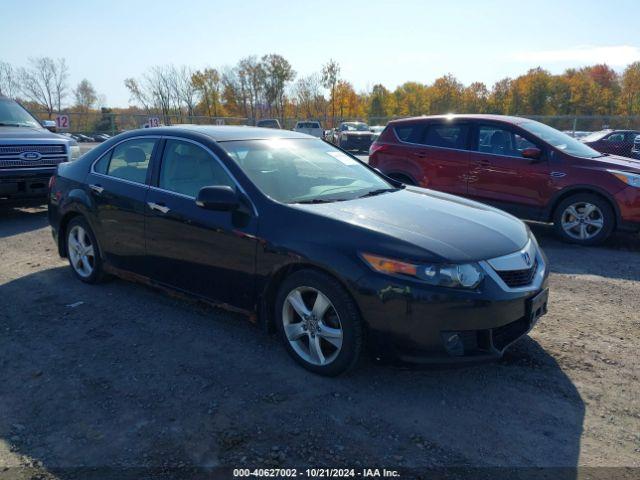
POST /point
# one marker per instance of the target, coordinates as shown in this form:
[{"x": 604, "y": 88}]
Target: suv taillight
[{"x": 377, "y": 147}]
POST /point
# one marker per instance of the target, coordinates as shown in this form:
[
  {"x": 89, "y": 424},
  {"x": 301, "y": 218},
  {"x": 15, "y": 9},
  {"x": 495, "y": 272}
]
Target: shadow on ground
[
  {"x": 17, "y": 218},
  {"x": 131, "y": 378}
]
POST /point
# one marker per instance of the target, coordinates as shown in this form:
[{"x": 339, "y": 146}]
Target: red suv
[{"x": 519, "y": 165}]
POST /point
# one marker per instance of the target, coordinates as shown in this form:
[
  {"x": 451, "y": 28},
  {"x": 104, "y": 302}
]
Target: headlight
[
  {"x": 74, "y": 150},
  {"x": 632, "y": 179},
  {"x": 464, "y": 275}
]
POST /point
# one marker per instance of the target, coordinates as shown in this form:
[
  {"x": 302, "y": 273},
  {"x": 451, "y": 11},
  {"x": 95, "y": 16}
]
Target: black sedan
[{"x": 303, "y": 238}]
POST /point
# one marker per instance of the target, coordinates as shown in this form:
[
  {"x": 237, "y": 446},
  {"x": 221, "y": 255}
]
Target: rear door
[
  {"x": 118, "y": 184},
  {"x": 442, "y": 152},
  {"x": 501, "y": 176},
  {"x": 204, "y": 252}
]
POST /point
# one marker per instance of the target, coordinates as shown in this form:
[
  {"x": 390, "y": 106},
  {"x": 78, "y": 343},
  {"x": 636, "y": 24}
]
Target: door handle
[
  {"x": 158, "y": 207},
  {"x": 97, "y": 189}
]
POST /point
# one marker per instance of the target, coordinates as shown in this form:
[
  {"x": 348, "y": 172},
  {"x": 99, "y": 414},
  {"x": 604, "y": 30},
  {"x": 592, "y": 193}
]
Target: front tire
[
  {"x": 584, "y": 219},
  {"x": 83, "y": 252},
  {"x": 319, "y": 323}
]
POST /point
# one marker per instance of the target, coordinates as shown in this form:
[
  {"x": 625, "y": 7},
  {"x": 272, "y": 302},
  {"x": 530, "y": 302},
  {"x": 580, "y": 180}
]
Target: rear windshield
[{"x": 308, "y": 125}]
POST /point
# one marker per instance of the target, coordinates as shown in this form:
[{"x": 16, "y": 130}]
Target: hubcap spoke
[
  {"x": 316, "y": 351},
  {"x": 296, "y": 301},
  {"x": 572, "y": 211},
  {"x": 331, "y": 335},
  {"x": 588, "y": 209},
  {"x": 320, "y": 306},
  {"x": 294, "y": 331},
  {"x": 583, "y": 231},
  {"x": 81, "y": 251}
]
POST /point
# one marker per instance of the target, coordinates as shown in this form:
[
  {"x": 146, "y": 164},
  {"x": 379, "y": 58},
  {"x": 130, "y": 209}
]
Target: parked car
[
  {"x": 312, "y": 128},
  {"x": 616, "y": 142},
  {"x": 520, "y": 165},
  {"x": 635, "y": 150},
  {"x": 303, "y": 238},
  {"x": 100, "y": 137},
  {"x": 83, "y": 138},
  {"x": 353, "y": 136},
  {"x": 269, "y": 123},
  {"x": 577, "y": 134},
  {"x": 376, "y": 130},
  {"x": 29, "y": 153}
]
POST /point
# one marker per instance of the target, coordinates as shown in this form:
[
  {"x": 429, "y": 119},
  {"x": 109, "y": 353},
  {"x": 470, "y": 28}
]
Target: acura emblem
[
  {"x": 30, "y": 156},
  {"x": 527, "y": 258}
]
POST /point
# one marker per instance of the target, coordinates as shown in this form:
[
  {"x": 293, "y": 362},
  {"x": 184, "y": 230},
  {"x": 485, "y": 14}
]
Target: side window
[
  {"x": 500, "y": 141},
  {"x": 409, "y": 133},
  {"x": 186, "y": 168},
  {"x": 447, "y": 136},
  {"x": 615, "y": 138},
  {"x": 130, "y": 160}
]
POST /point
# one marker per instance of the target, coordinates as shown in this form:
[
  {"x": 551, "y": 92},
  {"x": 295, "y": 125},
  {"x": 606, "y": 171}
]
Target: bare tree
[
  {"x": 330, "y": 78},
  {"x": 45, "y": 82},
  {"x": 251, "y": 76},
  {"x": 308, "y": 97},
  {"x": 8, "y": 80}
]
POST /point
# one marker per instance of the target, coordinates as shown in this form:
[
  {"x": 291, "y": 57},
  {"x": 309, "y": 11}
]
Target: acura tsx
[{"x": 305, "y": 239}]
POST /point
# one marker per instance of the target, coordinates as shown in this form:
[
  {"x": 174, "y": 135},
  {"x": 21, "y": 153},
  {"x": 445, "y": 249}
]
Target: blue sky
[{"x": 375, "y": 41}]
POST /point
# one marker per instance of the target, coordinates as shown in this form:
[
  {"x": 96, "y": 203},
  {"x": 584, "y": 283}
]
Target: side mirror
[
  {"x": 220, "y": 198},
  {"x": 532, "y": 153},
  {"x": 49, "y": 125}
]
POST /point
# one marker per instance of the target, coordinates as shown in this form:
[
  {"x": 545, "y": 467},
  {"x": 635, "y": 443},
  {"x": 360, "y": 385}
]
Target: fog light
[{"x": 453, "y": 343}]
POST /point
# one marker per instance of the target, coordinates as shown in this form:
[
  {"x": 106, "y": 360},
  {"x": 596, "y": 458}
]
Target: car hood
[
  {"x": 451, "y": 228},
  {"x": 615, "y": 162},
  {"x": 24, "y": 133}
]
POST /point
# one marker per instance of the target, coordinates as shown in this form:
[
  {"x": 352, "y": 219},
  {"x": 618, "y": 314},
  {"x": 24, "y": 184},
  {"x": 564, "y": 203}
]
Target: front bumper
[
  {"x": 413, "y": 322},
  {"x": 356, "y": 142},
  {"x": 25, "y": 182},
  {"x": 628, "y": 200}
]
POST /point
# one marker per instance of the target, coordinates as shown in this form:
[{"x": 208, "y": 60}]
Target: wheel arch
[
  {"x": 577, "y": 189},
  {"x": 394, "y": 174},
  {"x": 268, "y": 295}
]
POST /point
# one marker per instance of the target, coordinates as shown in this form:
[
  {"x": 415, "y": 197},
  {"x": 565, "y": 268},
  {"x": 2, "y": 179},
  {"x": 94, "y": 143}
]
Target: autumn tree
[
  {"x": 277, "y": 74},
  {"x": 208, "y": 83},
  {"x": 630, "y": 91},
  {"x": 330, "y": 78},
  {"x": 85, "y": 95}
]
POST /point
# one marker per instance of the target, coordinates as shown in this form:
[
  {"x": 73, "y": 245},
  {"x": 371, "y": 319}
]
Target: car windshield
[
  {"x": 595, "y": 136},
  {"x": 356, "y": 127},
  {"x": 377, "y": 129},
  {"x": 304, "y": 170},
  {"x": 560, "y": 140},
  {"x": 12, "y": 114},
  {"x": 308, "y": 125}
]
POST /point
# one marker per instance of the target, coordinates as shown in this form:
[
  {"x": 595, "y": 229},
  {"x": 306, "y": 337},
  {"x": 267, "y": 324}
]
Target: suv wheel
[
  {"x": 82, "y": 251},
  {"x": 584, "y": 219},
  {"x": 319, "y": 323}
]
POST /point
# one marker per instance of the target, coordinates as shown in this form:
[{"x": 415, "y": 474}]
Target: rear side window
[
  {"x": 445, "y": 135},
  {"x": 128, "y": 161},
  {"x": 409, "y": 133}
]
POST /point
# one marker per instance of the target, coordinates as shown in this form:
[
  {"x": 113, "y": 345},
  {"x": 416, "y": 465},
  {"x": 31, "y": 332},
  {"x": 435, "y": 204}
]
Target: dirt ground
[{"x": 119, "y": 375}]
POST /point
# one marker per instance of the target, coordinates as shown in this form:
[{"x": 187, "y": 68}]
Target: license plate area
[{"x": 537, "y": 306}]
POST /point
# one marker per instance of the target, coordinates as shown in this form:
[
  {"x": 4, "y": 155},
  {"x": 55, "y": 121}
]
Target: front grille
[
  {"x": 10, "y": 150},
  {"x": 43, "y": 162},
  {"x": 518, "y": 278},
  {"x": 50, "y": 155},
  {"x": 503, "y": 336}
]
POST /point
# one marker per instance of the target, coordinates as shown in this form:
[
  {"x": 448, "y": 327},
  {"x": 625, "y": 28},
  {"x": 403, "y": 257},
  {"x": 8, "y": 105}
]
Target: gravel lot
[{"x": 121, "y": 375}]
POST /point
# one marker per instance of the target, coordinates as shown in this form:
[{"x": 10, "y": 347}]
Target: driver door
[{"x": 207, "y": 253}]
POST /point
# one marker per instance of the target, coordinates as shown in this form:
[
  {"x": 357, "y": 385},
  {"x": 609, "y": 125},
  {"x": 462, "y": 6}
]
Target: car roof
[
  {"x": 225, "y": 133},
  {"x": 469, "y": 116}
]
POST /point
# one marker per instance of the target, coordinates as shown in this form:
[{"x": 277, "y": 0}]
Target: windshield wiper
[
  {"x": 321, "y": 200},
  {"x": 378, "y": 192}
]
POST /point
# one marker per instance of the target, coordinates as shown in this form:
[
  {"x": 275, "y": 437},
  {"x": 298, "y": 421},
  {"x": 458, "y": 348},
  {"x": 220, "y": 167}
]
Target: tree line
[{"x": 269, "y": 87}]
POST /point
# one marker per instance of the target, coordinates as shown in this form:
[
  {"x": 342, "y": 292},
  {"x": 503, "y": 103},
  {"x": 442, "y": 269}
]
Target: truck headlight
[
  {"x": 462, "y": 275},
  {"x": 632, "y": 179},
  {"x": 74, "y": 151}
]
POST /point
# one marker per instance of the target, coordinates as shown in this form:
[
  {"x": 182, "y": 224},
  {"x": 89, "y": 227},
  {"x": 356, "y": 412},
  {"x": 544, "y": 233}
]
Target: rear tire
[
  {"x": 584, "y": 219},
  {"x": 319, "y": 323},
  {"x": 83, "y": 252}
]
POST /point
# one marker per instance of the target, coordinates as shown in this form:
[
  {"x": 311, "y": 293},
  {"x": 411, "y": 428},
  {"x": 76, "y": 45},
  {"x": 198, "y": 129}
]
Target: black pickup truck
[{"x": 29, "y": 153}]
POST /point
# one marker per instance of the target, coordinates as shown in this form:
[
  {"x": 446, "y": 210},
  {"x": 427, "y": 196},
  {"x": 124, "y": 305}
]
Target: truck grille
[
  {"x": 518, "y": 278},
  {"x": 50, "y": 155}
]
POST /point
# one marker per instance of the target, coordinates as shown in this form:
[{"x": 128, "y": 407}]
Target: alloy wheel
[
  {"x": 582, "y": 220},
  {"x": 81, "y": 251},
  {"x": 312, "y": 325}
]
